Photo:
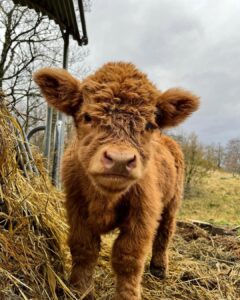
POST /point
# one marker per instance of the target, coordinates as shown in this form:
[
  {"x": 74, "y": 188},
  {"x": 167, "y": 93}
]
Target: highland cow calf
[{"x": 119, "y": 171}]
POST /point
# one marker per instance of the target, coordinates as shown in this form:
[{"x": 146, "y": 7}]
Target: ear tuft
[
  {"x": 60, "y": 88},
  {"x": 174, "y": 106}
]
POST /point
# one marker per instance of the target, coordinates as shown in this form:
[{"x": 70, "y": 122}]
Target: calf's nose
[{"x": 119, "y": 162}]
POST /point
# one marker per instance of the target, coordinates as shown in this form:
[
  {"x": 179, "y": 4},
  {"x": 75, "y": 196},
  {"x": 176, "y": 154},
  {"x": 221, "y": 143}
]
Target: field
[{"x": 218, "y": 202}]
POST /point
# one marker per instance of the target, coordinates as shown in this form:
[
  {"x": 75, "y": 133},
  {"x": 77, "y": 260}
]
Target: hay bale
[{"x": 32, "y": 239}]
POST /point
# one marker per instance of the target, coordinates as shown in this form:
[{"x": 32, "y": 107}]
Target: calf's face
[
  {"x": 114, "y": 141},
  {"x": 115, "y": 123}
]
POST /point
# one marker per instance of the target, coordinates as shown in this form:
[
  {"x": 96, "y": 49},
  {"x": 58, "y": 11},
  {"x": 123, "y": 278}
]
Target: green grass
[{"x": 218, "y": 202}]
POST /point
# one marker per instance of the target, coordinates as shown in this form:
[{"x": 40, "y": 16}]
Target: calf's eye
[
  {"x": 87, "y": 118},
  {"x": 149, "y": 126}
]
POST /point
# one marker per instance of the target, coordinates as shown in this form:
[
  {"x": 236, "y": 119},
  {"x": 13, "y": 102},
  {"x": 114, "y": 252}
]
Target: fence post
[{"x": 60, "y": 125}]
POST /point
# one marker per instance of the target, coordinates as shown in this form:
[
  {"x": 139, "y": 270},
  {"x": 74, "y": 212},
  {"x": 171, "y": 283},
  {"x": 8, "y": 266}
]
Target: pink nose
[{"x": 119, "y": 163}]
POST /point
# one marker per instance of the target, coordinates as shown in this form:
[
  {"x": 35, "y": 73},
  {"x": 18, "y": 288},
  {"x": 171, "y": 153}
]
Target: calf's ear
[
  {"x": 60, "y": 88},
  {"x": 174, "y": 106}
]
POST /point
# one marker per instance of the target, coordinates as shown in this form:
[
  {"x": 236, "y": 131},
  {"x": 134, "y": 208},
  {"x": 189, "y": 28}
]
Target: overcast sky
[{"x": 178, "y": 43}]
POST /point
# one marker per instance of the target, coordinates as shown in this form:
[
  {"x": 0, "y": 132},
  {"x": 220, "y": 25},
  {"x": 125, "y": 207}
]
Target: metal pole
[
  {"x": 35, "y": 130},
  {"x": 26, "y": 153},
  {"x": 48, "y": 135},
  {"x": 84, "y": 39},
  {"x": 60, "y": 125},
  {"x": 32, "y": 165}
]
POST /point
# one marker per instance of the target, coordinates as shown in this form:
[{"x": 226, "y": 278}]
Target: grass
[{"x": 218, "y": 202}]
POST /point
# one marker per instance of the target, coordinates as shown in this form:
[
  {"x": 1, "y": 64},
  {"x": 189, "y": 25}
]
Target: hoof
[{"x": 159, "y": 272}]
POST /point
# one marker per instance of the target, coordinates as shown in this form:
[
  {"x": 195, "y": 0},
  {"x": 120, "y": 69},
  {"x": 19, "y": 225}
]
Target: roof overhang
[{"x": 63, "y": 13}]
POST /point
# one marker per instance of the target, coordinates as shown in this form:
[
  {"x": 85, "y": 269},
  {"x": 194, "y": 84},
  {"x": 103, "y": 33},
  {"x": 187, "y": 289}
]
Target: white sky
[{"x": 186, "y": 43}]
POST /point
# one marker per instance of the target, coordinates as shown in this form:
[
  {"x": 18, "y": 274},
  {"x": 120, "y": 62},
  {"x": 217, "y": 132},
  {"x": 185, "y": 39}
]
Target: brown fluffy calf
[{"x": 119, "y": 170}]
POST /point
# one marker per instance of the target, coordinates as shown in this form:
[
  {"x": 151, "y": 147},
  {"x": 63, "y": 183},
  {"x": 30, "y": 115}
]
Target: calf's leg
[
  {"x": 84, "y": 247},
  {"x": 128, "y": 258},
  {"x": 166, "y": 228}
]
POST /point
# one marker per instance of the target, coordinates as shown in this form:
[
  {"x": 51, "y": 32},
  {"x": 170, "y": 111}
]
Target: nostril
[
  {"x": 107, "y": 156},
  {"x": 107, "y": 160},
  {"x": 132, "y": 163}
]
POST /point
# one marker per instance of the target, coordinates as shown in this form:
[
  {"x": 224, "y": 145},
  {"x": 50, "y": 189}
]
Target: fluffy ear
[
  {"x": 61, "y": 89},
  {"x": 174, "y": 106}
]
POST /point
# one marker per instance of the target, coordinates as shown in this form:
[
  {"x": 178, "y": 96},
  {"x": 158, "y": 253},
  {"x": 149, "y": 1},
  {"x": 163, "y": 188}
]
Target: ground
[{"x": 202, "y": 265}]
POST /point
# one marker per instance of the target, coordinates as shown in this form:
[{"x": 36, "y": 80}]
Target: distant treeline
[{"x": 201, "y": 159}]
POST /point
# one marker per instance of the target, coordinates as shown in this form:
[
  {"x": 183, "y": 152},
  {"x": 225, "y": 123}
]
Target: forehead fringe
[{"x": 123, "y": 81}]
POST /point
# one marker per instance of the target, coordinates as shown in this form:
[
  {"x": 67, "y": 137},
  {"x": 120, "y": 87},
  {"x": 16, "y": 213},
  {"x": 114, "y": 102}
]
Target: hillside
[{"x": 217, "y": 202}]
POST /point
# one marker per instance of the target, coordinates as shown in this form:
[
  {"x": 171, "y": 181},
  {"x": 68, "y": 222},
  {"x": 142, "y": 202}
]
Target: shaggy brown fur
[{"x": 119, "y": 171}]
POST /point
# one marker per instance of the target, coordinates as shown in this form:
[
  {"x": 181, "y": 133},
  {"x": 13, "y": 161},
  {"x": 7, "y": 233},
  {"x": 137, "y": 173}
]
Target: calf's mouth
[{"x": 113, "y": 183}]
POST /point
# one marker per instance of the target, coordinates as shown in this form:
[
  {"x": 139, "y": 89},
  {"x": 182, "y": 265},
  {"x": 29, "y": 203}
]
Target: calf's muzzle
[{"x": 119, "y": 163}]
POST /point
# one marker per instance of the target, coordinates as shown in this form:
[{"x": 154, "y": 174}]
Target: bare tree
[
  {"x": 220, "y": 155},
  {"x": 27, "y": 39},
  {"x": 197, "y": 166},
  {"x": 232, "y": 156},
  {"x": 214, "y": 154}
]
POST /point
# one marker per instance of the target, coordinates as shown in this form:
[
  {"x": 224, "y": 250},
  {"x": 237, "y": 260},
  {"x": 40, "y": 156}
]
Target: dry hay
[
  {"x": 202, "y": 266},
  {"x": 31, "y": 226},
  {"x": 34, "y": 260}
]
